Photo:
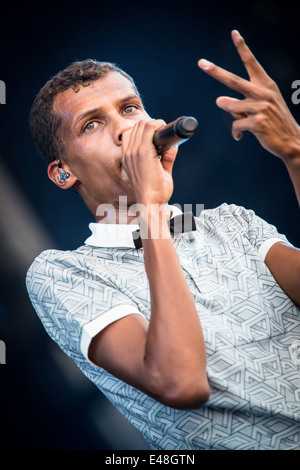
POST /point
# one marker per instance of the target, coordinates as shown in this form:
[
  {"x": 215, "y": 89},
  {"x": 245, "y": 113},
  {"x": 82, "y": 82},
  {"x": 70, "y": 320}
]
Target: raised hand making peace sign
[{"x": 263, "y": 111}]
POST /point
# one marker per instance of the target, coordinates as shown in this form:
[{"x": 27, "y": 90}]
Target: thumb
[{"x": 168, "y": 159}]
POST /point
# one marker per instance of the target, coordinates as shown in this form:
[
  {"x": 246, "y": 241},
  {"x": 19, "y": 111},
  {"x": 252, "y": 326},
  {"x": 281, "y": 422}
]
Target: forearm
[
  {"x": 175, "y": 355},
  {"x": 170, "y": 364},
  {"x": 292, "y": 163}
]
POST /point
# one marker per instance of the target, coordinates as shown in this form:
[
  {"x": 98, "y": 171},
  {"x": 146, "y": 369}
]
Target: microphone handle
[{"x": 175, "y": 133}]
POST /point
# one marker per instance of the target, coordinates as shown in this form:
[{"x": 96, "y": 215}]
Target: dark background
[{"x": 45, "y": 402}]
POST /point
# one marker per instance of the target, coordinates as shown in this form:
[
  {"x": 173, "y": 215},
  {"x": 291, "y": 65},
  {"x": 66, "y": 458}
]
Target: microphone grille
[{"x": 186, "y": 126}]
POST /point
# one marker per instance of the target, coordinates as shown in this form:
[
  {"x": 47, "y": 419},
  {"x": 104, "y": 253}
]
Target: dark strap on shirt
[{"x": 179, "y": 224}]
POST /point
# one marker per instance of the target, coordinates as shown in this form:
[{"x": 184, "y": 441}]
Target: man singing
[{"x": 193, "y": 336}]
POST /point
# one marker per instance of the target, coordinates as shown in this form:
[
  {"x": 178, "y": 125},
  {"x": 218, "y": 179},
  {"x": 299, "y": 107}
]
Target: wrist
[
  {"x": 153, "y": 220},
  {"x": 292, "y": 149},
  {"x": 292, "y": 158}
]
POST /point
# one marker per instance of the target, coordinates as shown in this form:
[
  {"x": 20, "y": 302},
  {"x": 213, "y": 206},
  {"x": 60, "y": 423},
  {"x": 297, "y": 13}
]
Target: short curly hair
[{"x": 44, "y": 122}]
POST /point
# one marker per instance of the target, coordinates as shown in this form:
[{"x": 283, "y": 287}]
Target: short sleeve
[
  {"x": 261, "y": 234},
  {"x": 74, "y": 303}
]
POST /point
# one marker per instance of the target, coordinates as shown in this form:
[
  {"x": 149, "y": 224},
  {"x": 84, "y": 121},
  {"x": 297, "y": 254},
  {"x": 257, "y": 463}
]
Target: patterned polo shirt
[{"x": 251, "y": 328}]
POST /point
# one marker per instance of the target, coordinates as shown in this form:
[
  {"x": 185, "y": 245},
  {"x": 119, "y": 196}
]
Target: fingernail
[
  {"x": 204, "y": 64},
  {"x": 238, "y": 136},
  {"x": 238, "y": 33},
  {"x": 222, "y": 105}
]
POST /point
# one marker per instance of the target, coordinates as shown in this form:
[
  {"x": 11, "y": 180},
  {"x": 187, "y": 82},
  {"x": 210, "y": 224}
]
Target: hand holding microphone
[
  {"x": 150, "y": 181},
  {"x": 175, "y": 133}
]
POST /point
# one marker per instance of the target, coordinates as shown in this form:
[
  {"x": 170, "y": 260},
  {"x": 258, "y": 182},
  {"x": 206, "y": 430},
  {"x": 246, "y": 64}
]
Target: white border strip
[
  {"x": 263, "y": 250},
  {"x": 94, "y": 327}
]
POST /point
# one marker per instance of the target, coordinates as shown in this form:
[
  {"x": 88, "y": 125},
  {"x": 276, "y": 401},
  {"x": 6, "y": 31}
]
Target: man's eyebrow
[
  {"x": 99, "y": 109},
  {"x": 86, "y": 114},
  {"x": 130, "y": 97}
]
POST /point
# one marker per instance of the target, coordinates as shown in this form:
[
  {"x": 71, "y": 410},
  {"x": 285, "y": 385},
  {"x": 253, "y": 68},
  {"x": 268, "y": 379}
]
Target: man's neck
[{"x": 123, "y": 214}]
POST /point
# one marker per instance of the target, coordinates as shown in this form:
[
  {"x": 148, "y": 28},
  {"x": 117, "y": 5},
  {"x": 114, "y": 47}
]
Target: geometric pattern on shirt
[{"x": 249, "y": 324}]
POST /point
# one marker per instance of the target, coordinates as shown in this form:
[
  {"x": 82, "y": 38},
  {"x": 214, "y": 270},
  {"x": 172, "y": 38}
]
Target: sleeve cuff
[
  {"x": 91, "y": 329},
  {"x": 265, "y": 247}
]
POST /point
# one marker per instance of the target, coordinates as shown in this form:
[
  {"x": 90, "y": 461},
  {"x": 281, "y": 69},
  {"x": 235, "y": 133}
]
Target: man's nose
[{"x": 120, "y": 127}]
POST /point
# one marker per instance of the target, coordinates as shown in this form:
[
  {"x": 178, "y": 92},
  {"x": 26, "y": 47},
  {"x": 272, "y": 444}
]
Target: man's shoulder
[
  {"x": 54, "y": 257},
  {"x": 225, "y": 211}
]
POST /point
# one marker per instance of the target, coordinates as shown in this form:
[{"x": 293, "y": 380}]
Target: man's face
[{"x": 93, "y": 121}]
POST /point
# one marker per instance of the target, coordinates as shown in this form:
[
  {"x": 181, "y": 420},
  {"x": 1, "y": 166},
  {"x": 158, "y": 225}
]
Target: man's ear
[{"x": 60, "y": 176}]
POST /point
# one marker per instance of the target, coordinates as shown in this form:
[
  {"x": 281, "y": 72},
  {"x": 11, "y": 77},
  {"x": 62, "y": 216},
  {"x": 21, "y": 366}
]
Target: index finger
[
  {"x": 256, "y": 73},
  {"x": 227, "y": 78}
]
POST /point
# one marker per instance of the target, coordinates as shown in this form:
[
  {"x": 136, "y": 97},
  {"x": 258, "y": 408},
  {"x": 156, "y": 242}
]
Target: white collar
[{"x": 116, "y": 235}]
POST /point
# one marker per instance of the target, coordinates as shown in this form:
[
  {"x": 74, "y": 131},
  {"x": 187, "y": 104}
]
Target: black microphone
[{"x": 175, "y": 133}]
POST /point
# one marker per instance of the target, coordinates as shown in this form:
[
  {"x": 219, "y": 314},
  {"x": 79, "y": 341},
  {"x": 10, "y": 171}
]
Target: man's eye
[
  {"x": 90, "y": 126},
  {"x": 129, "y": 109}
]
